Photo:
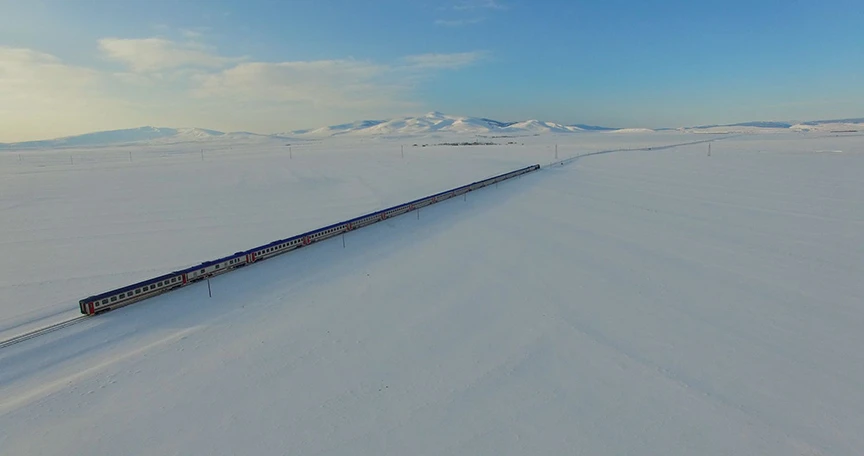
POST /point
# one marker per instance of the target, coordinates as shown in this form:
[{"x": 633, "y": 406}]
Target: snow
[
  {"x": 432, "y": 124},
  {"x": 655, "y": 302},
  {"x": 844, "y": 127},
  {"x": 633, "y": 130},
  {"x": 538, "y": 126}
]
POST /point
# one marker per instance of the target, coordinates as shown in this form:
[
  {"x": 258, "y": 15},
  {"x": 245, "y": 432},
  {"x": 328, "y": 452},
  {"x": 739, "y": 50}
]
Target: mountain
[
  {"x": 539, "y": 126},
  {"x": 433, "y": 123},
  {"x": 157, "y": 135},
  {"x": 119, "y": 137},
  {"x": 436, "y": 122},
  {"x": 592, "y": 127},
  {"x": 840, "y": 125},
  {"x": 837, "y": 125}
]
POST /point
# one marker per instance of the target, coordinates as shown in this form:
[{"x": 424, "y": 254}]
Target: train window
[
  {"x": 122, "y": 295},
  {"x": 202, "y": 271},
  {"x": 113, "y": 298},
  {"x": 137, "y": 291},
  {"x": 152, "y": 286}
]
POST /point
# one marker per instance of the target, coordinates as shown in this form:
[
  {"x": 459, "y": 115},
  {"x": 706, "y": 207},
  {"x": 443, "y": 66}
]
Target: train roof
[{"x": 128, "y": 287}]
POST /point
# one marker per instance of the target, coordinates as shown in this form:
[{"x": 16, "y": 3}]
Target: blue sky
[{"x": 73, "y": 66}]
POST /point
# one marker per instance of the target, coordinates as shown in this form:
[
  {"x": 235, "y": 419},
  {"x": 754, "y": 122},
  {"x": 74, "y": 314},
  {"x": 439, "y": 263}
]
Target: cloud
[
  {"x": 443, "y": 61},
  {"x": 481, "y": 4},
  {"x": 187, "y": 84},
  {"x": 320, "y": 83},
  {"x": 156, "y": 54},
  {"x": 329, "y": 83},
  {"x": 39, "y": 93},
  {"x": 458, "y": 22},
  {"x": 192, "y": 34}
]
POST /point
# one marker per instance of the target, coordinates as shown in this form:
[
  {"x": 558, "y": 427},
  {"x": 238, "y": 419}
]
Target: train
[{"x": 136, "y": 292}]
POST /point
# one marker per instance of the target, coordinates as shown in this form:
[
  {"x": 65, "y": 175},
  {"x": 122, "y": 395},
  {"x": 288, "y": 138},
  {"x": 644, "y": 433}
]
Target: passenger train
[{"x": 162, "y": 284}]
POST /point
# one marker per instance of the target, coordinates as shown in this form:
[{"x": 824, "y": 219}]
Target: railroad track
[{"x": 38, "y": 332}]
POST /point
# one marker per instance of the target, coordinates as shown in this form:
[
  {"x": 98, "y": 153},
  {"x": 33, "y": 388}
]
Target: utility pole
[
  {"x": 709, "y": 149},
  {"x": 343, "y": 240},
  {"x": 209, "y": 292}
]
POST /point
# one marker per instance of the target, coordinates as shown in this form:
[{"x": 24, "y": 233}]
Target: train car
[
  {"x": 212, "y": 268},
  {"x": 127, "y": 295}
]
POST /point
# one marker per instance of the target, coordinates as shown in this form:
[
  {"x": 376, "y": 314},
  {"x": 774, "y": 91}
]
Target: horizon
[
  {"x": 300, "y": 131},
  {"x": 270, "y": 68}
]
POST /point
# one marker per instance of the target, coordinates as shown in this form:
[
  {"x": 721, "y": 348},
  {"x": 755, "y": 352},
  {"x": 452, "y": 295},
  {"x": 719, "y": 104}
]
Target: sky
[{"x": 75, "y": 66}]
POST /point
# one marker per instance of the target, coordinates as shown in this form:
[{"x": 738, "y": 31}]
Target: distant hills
[{"x": 432, "y": 123}]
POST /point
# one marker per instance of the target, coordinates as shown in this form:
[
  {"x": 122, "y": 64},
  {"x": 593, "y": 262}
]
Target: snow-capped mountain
[
  {"x": 436, "y": 122},
  {"x": 433, "y": 122},
  {"x": 842, "y": 125},
  {"x": 539, "y": 126},
  {"x": 827, "y": 126},
  {"x": 430, "y": 124},
  {"x": 154, "y": 135}
]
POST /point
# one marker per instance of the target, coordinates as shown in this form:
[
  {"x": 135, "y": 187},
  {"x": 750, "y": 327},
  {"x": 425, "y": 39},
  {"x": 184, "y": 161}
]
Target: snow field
[
  {"x": 646, "y": 303},
  {"x": 80, "y": 221}
]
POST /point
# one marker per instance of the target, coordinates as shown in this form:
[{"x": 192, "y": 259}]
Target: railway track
[{"x": 38, "y": 332}]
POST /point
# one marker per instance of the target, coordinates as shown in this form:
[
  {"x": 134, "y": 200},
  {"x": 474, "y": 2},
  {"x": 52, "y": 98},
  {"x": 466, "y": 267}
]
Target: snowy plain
[{"x": 655, "y": 302}]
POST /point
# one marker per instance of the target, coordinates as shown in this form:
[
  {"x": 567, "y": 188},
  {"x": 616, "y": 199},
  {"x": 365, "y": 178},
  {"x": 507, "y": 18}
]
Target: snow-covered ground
[
  {"x": 654, "y": 302},
  {"x": 77, "y": 222}
]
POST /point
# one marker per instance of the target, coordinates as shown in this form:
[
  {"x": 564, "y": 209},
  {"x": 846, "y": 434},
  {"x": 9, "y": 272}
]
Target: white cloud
[
  {"x": 320, "y": 83},
  {"x": 458, "y": 22},
  {"x": 443, "y": 61},
  {"x": 331, "y": 83},
  {"x": 192, "y": 34},
  {"x": 156, "y": 54},
  {"x": 40, "y": 94},
  {"x": 188, "y": 85},
  {"x": 481, "y": 4}
]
